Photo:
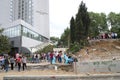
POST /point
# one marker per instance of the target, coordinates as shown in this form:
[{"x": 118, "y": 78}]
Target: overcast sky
[{"x": 61, "y": 11}]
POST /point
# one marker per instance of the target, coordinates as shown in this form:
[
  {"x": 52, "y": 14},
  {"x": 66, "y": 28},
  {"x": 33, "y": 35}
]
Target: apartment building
[{"x": 25, "y": 22}]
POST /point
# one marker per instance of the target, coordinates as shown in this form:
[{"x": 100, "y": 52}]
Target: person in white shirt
[{"x": 24, "y": 61}]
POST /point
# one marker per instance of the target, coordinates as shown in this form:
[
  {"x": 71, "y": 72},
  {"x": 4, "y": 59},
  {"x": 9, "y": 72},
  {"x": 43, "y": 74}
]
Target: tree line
[{"x": 88, "y": 24}]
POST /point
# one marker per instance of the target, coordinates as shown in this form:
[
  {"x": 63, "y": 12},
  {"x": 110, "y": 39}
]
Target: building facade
[{"x": 25, "y": 22}]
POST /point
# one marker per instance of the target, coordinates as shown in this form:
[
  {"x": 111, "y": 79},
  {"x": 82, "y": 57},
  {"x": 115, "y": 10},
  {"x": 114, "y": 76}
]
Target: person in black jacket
[{"x": 6, "y": 63}]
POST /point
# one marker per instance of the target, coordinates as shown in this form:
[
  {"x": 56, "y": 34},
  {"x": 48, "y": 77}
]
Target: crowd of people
[
  {"x": 108, "y": 35},
  {"x": 52, "y": 57},
  {"x": 18, "y": 62},
  {"x": 112, "y": 35}
]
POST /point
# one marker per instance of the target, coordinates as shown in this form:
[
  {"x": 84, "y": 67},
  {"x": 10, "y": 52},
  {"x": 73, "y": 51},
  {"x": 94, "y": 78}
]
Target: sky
[{"x": 61, "y": 11}]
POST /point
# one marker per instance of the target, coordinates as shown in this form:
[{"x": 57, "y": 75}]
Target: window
[
  {"x": 31, "y": 34},
  {"x": 12, "y": 43},
  {"x": 13, "y": 31}
]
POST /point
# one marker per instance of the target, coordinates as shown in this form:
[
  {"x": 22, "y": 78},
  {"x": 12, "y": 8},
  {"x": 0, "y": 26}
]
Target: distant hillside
[{"x": 101, "y": 49}]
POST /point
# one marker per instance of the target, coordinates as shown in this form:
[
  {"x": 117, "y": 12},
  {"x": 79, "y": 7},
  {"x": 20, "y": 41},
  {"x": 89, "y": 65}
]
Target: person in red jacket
[{"x": 19, "y": 60}]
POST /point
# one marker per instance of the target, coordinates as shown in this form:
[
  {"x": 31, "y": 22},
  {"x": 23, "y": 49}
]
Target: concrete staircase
[{"x": 40, "y": 46}]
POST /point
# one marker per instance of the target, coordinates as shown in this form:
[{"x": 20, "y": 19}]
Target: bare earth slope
[{"x": 101, "y": 49}]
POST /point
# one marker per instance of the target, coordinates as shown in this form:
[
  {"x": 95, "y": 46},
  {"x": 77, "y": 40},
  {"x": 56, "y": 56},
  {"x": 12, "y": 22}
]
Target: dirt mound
[{"x": 100, "y": 49}]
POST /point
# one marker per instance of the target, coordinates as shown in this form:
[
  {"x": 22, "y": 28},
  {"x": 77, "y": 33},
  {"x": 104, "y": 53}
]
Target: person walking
[
  {"x": 60, "y": 57},
  {"x": 7, "y": 61},
  {"x": 3, "y": 63},
  {"x": 24, "y": 61},
  {"x": 12, "y": 61},
  {"x": 51, "y": 57},
  {"x": 19, "y": 63}
]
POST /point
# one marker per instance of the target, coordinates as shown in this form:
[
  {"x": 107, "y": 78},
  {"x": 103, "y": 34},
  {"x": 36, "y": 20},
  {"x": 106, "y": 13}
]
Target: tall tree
[
  {"x": 4, "y": 43},
  {"x": 82, "y": 23},
  {"x": 72, "y": 30}
]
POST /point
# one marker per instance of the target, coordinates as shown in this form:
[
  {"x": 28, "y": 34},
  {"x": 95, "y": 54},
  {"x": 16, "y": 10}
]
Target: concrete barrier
[
  {"x": 103, "y": 66},
  {"x": 52, "y": 77},
  {"x": 69, "y": 77}
]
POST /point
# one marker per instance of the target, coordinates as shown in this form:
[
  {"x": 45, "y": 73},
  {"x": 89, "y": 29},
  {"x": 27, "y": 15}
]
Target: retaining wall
[{"x": 103, "y": 66}]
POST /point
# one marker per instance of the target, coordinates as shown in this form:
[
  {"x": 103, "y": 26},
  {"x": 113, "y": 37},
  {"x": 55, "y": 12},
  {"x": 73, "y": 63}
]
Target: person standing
[
  {"x": 3, "y": 63},
  {"x": 19, "y": 63},
  {"x": 12, "y": 61},
  {"x": 24, "y": 61},
  {"x": 6, "y": 63},
  {"x": 51, "y": 57},
  {"x": 87, "y": 51},
  {"x": 60, "y": 57}
]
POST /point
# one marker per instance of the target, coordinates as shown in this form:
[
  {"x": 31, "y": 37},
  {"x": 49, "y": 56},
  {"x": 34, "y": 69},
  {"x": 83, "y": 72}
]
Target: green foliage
[
  {"x": 65, "y": 38},
  {"x": 4, "y": 43},
  {"x": 54, "y": 39},
  {"x": 79, "y": 29},
  {"x": 114, "y": 20},
  {"x": 98, "y": 24},
  {"x": 74, "y": 48},
  {"x": 1, "y": 31},
  {"x": 88, "y": 24},
  {"x": 116, "y": 30},
  {"x": 46, "y": 49},
  {"x": 72, "y": 30},
  {"x": 82, "y": 23}
]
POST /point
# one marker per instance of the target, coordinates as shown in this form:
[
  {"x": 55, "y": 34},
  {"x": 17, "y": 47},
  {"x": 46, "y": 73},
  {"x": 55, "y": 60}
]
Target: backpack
[{"x": 7, "y": 61}]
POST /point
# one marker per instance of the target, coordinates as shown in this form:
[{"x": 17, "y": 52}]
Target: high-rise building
[{"x": 25, "y": 22}]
